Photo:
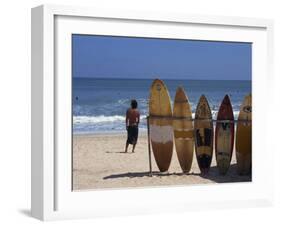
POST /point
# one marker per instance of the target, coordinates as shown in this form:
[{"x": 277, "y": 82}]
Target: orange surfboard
[{"x": 183, "y": 130}]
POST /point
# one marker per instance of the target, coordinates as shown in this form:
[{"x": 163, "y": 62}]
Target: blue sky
[{"x": 125, "y": 57}]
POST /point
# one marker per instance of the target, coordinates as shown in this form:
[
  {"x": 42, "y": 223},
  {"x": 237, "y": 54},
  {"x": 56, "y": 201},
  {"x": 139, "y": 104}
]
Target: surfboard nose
[
  {"x": 180, "y": 89},
  {"x": 180, "y": 95},
  {"x": 226, "y": 99},
  {"x": 156, "y": 81},
  {"x": 202, "y": 98}
]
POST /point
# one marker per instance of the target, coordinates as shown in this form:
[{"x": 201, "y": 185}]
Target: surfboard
[
  {"x": 224, "y": 135},
  {"x": 243, "y": 142},
  {"x": 204, "y": 134},
  {"x": 161, "y": 124},
  {"x": 183, "y": 130}
]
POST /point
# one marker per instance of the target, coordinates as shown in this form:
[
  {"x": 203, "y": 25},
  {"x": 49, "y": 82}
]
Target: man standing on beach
[{"x": 132, "y": 123}]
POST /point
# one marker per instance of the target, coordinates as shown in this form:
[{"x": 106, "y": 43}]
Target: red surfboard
[{"x": 224, "y": 135}]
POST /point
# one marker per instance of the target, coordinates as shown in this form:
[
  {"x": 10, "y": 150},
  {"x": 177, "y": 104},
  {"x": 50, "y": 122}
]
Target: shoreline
[{"x": 108, "y": 133}]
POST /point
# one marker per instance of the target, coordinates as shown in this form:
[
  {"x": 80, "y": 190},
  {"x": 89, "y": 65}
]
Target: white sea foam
[
  {"x": 215, "y": 113},
  {"x": 119, "y": 118},
  {"x": 99, "y": 119}
]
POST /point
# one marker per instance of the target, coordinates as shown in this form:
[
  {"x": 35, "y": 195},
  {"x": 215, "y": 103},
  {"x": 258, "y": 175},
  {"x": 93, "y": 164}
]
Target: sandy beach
[{"x": 99, "y": 162}]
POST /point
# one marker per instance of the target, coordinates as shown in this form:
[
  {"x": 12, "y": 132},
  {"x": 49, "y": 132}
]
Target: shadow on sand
[
  {"x": 229, "y": 177},
  {"x": 118, "y": 152},
  {"x": 145, "y": 174},
  {"x": 212, "y": 175}
]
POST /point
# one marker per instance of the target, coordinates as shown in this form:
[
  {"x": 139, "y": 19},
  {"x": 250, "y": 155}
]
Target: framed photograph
[{"x": 137, "y": 112}]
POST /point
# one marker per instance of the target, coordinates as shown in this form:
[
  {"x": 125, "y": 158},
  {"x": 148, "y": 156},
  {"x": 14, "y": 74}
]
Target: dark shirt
[{"x": 132, "y": 117}]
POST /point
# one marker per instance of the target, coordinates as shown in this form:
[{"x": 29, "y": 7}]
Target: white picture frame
[{"x": 52, "y": 196}]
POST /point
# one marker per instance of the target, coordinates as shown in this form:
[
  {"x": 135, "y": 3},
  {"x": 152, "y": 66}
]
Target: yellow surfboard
[
  {"x": 161, "y": 124},
  {"x": 244, "y": 137},
  {"x": 183, "y": 130}
]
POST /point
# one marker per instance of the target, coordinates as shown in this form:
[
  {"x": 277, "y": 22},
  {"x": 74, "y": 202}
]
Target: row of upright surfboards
[{"x": 167, "y": 125}]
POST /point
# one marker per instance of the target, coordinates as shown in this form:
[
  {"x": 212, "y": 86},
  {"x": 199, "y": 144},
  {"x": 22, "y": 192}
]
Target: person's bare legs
[
  {"x": 126, "y": 148},
  {"x": 133, "y": 150}
]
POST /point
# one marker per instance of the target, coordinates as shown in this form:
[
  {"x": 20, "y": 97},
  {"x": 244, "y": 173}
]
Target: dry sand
[{"x": 99, "y": 162}]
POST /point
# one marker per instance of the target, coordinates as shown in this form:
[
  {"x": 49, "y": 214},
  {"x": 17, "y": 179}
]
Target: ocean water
[{"x": 99, "y": 105}]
